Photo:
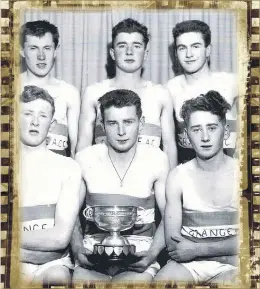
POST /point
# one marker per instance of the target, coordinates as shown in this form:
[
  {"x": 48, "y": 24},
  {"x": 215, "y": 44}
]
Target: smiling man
[
  {"x": 201, "y": 214},
  {"x": 192, "y": 47},
  {"x": 49, "y": 196},
  {"x": 39, "y": 42},
  {"x": 122, "y": 171},
  {"x": 129, "y": 51}
]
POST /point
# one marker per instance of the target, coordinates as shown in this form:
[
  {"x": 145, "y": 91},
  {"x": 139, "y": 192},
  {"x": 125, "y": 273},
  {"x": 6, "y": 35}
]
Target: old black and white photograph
[{"x": 129, "y": 146}]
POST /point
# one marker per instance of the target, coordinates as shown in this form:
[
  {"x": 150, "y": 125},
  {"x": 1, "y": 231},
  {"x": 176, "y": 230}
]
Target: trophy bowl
[{"x": 114, "y": 247}]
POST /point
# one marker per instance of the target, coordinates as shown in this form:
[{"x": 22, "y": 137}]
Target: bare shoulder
[
  {"x": 64, "y": 164},
  {"x": 69, "y": 91},
  {"x": 154, "y": 157},
  {"x": 175, "y": 82},
  {"x": 89, "y": 155},
  {"x": 94, "y": 91},
  {"x": 162, "y": 94}
]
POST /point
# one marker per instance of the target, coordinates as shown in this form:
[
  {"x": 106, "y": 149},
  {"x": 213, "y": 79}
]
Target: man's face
[
  {"x": 35, "y": 121},
  {"x": 129, "y": 51},
  {"x": 191, "y": 52},
  {"x": 39, "y": 54},
  {"x": 121, "y": 127},
  {"x": 206, "y": 133}
]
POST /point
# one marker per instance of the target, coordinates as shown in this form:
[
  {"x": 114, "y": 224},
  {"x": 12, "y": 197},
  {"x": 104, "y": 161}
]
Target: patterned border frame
[{"x": 253, "y": 121}]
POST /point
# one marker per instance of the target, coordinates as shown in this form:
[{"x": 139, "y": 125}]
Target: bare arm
[
  {"x": 159, "y": 190},
  {"x": 173, "y": 209},
  {"x": 158, "y": 241},
  {"x": 39, "y": 257},
  {"x": 67, "y": 208},
  {"x": 73, "y": 119},
  {"x": 168, "y": 130},
  {"x": 87, "y": 121}
]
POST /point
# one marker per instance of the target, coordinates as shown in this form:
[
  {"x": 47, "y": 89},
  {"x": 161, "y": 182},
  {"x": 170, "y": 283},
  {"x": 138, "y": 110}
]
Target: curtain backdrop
[{"x": 85, "y": 36}]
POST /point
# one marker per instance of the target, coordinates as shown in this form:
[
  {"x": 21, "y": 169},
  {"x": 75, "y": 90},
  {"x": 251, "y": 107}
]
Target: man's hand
[
  {"x": 145, "y": 261},
  {"x": 185, "y": 250},
  {"x": 82, "y": 258}
]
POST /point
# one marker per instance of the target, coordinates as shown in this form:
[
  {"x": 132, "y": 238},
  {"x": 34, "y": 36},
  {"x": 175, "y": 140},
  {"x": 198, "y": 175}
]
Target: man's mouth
[
  {"x": 129, "y": 60},
  {"x": 123, "y": 141},
  {"x": 190, "y": 61},
  {"x": 33, "y": 132},
  {"x": 206, "y": 146},
  {"x": 41, "y": 65}
]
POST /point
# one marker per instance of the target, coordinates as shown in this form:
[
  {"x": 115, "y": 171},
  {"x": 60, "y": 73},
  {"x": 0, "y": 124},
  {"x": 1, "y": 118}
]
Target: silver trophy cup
[{"x": 114, "y": 219}]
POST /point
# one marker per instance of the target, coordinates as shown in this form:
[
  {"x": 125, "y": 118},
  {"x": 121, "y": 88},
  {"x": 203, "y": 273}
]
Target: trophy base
[{"x": 117, "y": 254}]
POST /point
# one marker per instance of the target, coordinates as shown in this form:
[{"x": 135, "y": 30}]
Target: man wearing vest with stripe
[
  {"x": 201, "y": 214},
  {"x": 49, "y": 194}
]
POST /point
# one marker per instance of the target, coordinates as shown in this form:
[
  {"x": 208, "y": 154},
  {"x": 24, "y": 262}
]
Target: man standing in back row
[
  {"x": 192, "y": 47},
  {"x": 39, "y": 41},
  {"x": 129, "y": 50}
]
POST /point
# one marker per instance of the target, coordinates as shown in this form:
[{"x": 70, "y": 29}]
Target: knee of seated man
[{"x": 57, "y": 274}]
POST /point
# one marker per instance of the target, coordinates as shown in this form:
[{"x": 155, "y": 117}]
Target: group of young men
[{"x": 120, "y": 139}]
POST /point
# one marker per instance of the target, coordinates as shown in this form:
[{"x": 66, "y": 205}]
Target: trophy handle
[{"x": 88, "y": 213}]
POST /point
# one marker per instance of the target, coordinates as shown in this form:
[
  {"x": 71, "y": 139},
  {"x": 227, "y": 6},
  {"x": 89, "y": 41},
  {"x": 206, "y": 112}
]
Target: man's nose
[
  {"x": 129, "y": 50},
  {"x": 41, "y": 55},
  {"x": 121, "y": 129},
  {"x": 35, "y": 121},
  {"x": 205, "y": 135},
  {"x": 189, "y": 52}
]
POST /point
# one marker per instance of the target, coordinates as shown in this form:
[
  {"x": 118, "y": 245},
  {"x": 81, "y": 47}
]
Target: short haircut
[
  {"x": 192, "y": 26},
  {"x": 120, "y": 98},
  {"x": 32, "y": 92},
  {"x": 39, "y": 29},
  {"x": 130, "y": 25},
  {"x": 212, "y": 102}
]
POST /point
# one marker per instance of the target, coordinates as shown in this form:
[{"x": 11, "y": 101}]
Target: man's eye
[
  {"x": 196, "y": 130},
  {"x": 128, "y": 122},
  {"x": 43, "y": 115},
  {"x": 32, "y": 48},
  {"x": 181, "y": 48},
  {"x": 121, "y": 46},
  {"x": 111, "y": 123},
  {"x": 196, "y": 46},
  {"x": 48, "y": 48},
  {"x": 27, "y": 113},
  {"x": 137, "y": 46},
  {"x": 212, "y": 128}
]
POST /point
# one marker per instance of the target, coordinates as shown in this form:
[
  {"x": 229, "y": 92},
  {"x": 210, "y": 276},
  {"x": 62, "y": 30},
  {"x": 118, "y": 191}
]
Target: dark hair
[
  {"x": 192, "y": 26},
  {"x": 39, "y": 29},
  {"x": 130, "y": 25},
  {"x": 212, "y": 102},
  {"x": 32, "y": 92},
  {"x": 120, "y": 98}
]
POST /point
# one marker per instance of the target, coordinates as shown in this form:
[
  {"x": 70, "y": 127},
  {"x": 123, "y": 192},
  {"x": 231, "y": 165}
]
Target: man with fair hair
[
  {"x": 39, "y": 41},
  {"x": 49, "y": 195},
  {"x": 122, "y": 171},
  {"x": 201, "y": 214},
  {"x": 192, "y": 47},
  {"x": 129, "y": 51}
]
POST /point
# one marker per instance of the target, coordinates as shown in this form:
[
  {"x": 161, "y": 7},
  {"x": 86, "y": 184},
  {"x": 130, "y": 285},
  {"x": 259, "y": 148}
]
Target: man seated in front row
[
  {"x": 122, "y": 171},
  {"x": 201, "y": 214},
  {"x": 49, "y": 198}
]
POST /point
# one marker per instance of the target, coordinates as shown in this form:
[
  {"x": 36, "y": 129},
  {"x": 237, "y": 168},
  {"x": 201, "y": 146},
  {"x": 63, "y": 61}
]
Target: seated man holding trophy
[
  {"x": 201, "y": 213},
  {"x": 122, "y": 179}
]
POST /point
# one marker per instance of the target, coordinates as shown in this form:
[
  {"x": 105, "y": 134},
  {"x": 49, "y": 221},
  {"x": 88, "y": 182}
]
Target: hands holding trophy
[{"x": 114, "y": 219}]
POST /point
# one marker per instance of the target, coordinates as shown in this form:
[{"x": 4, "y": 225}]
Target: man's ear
[
  {"x": 56, "y": 50},
  {"x": 22, "y": 52},
  {"x": 53, "y": 123},
  {"x": 146, "y": 51},
  {"x": 208, "y": 50},
  {"x": 112, "y": 53},
  {"x": 141, "y": 123},
  {"x": 186, "y": 137},
  {"x": 226, "y": 132}
]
